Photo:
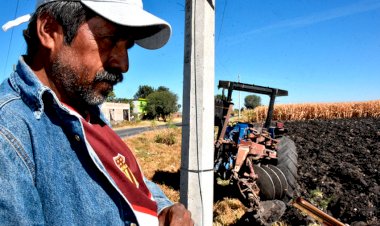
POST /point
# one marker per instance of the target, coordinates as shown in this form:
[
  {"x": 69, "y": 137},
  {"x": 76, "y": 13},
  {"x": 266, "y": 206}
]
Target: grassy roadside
[{"x": 144, "y": 123}]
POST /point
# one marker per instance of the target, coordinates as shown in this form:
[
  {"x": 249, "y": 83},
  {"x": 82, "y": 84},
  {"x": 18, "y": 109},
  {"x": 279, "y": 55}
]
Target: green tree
[
  {"x": 111, "y": 96},
  {"x": 161, "y": 104},
  {"x": 123, "y": 100},
  {"x": 162, "y": 88},
  {"x": 252, "y": 101},
  {"x": 143, "y": 92},
  {"x": 219, "y": 97}
]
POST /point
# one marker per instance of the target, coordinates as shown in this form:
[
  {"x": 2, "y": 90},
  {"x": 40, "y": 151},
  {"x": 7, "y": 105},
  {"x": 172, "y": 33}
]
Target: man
[{"x": 60, "y": 164}]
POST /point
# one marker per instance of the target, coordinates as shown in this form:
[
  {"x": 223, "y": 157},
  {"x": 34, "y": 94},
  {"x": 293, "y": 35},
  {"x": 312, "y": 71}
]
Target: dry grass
[
  {"x": 228, "y": 211},
  {"x": 153, "y": 156},
  {"x": 145, "y": 123},
  {"x": 308, "y": 111}
]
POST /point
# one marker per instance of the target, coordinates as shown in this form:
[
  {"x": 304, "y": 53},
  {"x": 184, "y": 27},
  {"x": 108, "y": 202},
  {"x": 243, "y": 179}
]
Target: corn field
[{"x": 290, "y": 112}]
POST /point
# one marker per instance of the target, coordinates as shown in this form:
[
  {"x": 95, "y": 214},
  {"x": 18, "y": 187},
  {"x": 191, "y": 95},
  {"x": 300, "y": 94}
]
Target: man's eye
[
  {"x": 110, "y": 39},
  {"x": 106, "y": 41}
]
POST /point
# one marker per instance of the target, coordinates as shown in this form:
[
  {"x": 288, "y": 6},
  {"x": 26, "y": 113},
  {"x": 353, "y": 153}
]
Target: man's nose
[{"x": 119, "y": 56}]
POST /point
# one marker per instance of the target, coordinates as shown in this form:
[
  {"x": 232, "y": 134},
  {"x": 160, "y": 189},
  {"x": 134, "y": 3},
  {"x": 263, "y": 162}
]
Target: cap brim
[{"x": 134, "y": 16}]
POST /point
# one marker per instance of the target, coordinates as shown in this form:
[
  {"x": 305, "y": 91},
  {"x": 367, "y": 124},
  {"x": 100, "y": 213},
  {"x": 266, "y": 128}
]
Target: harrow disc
[
  {"x": 282, "y": 178},
  {"x": 265, "y": 183},
  {"x": 271, "y": 181},
  {"x": 278, "y": 179}
]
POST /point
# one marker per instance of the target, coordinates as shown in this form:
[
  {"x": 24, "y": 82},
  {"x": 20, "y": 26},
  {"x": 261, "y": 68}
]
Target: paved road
[{"x": 133, "y": 131}]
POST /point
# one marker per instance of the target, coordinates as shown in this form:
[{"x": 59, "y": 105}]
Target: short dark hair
[{"x": 69, "y": 14}]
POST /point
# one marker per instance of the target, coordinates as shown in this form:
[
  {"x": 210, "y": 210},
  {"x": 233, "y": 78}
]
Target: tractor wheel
[
  {"x": 279, "y": 181},
  {"x": 288, "y": 163}
]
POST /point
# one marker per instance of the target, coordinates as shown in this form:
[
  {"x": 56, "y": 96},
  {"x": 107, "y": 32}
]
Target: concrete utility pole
[{"x": 197, "y": 158}]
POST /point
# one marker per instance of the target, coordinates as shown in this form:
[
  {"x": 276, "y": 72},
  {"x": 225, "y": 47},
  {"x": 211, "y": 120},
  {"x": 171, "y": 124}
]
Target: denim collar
[{"x": 31, "y": 90}]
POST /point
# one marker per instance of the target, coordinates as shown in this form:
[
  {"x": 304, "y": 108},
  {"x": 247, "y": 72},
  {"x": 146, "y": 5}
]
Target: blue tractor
[{"x": 257, "y": 158}]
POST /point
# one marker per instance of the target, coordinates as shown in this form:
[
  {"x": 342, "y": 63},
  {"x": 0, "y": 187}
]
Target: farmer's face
[{"x": 86, "y": 70}]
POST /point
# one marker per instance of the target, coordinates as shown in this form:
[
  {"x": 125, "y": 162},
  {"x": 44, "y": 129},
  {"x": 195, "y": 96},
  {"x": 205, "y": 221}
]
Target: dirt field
[{"x": 340, "y": 158}]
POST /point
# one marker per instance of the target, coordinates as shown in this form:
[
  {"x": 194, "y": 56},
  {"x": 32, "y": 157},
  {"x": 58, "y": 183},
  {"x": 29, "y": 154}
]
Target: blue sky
[{"x": 318, "y": 50}]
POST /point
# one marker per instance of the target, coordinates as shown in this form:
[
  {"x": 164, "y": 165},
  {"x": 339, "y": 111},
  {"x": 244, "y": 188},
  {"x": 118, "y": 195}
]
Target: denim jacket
[{"x": 47, "y": 175}]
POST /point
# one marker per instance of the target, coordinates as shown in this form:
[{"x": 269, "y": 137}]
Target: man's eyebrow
[
  {"x": 98, "y": 30},
  {"x": 137, "y": 32},
  {"x": 117, "y": 34},
  {"x": 126, "y": 32}
]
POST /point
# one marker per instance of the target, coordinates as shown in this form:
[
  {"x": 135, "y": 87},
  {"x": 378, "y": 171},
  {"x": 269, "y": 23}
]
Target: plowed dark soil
[{"x": 341, "y": 158}]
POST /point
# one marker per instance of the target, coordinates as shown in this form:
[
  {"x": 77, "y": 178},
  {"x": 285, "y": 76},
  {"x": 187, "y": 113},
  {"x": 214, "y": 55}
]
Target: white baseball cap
[{"x": 123, "y": 12}]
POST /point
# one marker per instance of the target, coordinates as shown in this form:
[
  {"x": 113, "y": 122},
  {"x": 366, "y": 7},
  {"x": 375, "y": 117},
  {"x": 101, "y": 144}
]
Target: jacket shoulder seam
[
  {"x": 8, "y": 98},
  {"x": 15, "y": 143}
]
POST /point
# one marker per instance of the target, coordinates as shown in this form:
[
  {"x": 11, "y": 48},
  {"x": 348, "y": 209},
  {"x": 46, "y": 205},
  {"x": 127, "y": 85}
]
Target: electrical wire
[
  {"x": 10, "y": 41},
  {"x": 221, "y": 24}
]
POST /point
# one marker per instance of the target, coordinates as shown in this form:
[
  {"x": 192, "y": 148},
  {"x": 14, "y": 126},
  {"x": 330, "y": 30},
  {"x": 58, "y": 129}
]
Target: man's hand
[{"x": 175, "y": 215}]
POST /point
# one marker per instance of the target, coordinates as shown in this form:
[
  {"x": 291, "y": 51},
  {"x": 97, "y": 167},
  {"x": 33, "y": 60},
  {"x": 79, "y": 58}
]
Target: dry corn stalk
[{"x": 285, "y": 112}]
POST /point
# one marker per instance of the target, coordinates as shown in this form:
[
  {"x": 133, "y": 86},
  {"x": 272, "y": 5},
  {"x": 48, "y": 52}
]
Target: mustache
[{"x": 108, "y": 76}]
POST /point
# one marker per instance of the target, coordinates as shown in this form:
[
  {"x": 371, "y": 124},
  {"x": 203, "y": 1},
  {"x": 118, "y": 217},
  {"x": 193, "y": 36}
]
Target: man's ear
[{"x": 49, "y": 32}]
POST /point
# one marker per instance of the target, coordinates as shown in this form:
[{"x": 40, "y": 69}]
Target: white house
[{"x": 115, "y": 112}]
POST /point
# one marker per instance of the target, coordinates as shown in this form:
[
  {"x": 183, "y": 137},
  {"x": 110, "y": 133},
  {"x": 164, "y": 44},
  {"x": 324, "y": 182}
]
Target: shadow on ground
[
  {"x": 172, "y": 179},
  {"x": 168, "y": 178}
]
